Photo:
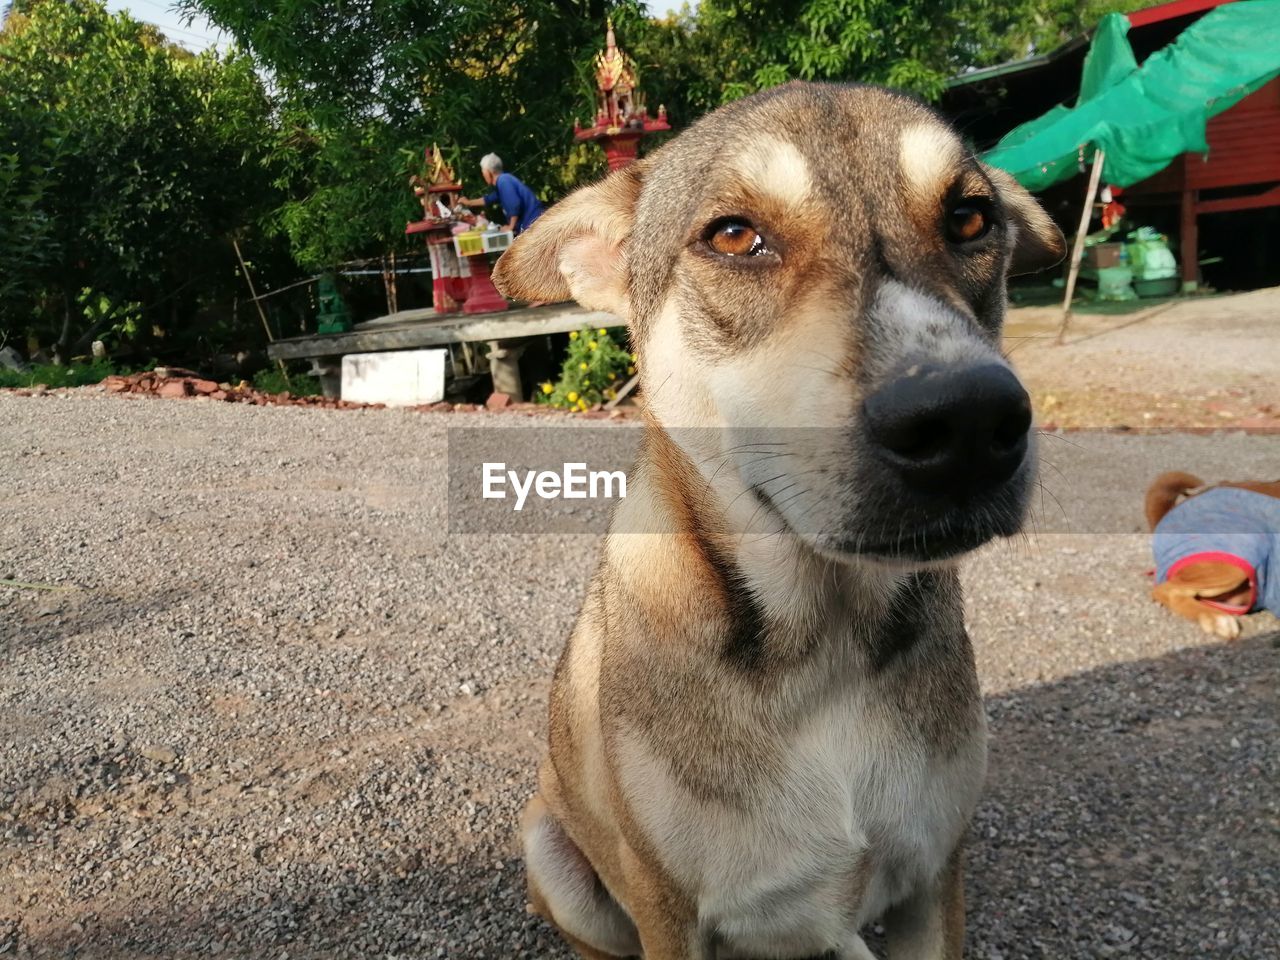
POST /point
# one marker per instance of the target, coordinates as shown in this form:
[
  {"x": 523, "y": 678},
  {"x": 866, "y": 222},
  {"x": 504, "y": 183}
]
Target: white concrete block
[{"x": 400, "y": 378}]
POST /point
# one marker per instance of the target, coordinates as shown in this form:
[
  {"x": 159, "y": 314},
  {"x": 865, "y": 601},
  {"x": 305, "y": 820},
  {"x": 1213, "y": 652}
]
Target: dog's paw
[{"x": 1222, "y": 625}]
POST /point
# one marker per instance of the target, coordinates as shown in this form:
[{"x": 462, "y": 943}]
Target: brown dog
[
  {"x": 1210, "y": 591},
  {"x": 766, "y": 729}
]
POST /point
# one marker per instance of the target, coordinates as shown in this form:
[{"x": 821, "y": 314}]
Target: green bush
[
  {"x": 73, "y": 375},
  {"x": 595, "y": 366},
  {"x": 272, "y": 380}
]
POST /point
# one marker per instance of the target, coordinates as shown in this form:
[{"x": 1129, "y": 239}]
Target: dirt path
[{"x": 1204, "y": 362}]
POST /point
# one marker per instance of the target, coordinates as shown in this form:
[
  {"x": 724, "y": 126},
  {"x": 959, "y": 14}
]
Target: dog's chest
[{"x": 863, "y": 813}]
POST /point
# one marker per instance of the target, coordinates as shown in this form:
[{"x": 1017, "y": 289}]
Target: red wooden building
[{"x": 1240, "y": 172}]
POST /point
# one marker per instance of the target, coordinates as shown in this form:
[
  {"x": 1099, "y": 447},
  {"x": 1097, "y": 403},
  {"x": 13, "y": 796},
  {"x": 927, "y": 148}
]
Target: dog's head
[{"x": 815, "y": 282}]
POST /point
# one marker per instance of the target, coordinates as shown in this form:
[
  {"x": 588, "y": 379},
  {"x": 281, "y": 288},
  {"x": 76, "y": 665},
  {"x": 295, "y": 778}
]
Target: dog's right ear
[
  {"x": 577, "y": 249},
  {"x": 1038, "y": 243}
]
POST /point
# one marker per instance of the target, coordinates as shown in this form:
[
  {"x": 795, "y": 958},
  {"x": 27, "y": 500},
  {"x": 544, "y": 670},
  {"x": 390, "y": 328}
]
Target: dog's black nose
[{"x": 956, "y": 429}]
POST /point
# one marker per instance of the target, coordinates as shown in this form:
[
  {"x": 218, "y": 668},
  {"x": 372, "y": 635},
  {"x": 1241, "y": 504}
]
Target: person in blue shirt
[{"x": 519, "y": 205}]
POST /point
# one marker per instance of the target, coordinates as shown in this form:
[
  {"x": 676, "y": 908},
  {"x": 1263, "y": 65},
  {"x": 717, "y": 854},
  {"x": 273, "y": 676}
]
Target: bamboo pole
[
  {"x": 1077, "y": 251},
  {"x": 395, "y": 292},
  {"x": 622, "y": 393},
  {"x": 386, "y": 284},
  {"x": 266, "y": 327}
]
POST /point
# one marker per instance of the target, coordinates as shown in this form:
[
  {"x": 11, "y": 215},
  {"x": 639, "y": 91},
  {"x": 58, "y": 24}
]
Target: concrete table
[{"x": 415, "y": 329}]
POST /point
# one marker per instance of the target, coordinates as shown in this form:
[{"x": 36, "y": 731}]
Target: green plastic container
[
  {"x": 1151, "y": 259},
  {"x": 333, "y": 315},
  {"x": 1116, "y": 283}
]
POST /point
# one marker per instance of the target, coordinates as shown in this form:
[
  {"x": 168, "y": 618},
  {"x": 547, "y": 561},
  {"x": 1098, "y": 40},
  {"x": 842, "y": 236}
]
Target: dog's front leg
[
  {"x": 930, "y": 925},
  {"x": 671, "y": 943},
  {"x": 666, "y": 921},
  {"x": 668, "y": 933}
]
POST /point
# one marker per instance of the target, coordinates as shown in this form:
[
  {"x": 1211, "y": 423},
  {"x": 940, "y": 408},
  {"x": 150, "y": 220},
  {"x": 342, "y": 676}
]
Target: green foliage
[
  {"x": 26, "y": 232},
  {"x": 126, "y": 164},
  {"x": 700, "y": 58},
  {"x": 1027, "y": 27},
  {"x": 272, "y": 380},
  {"x": 53, "y": 375},
  {"x": 366, "y": 87},
  {"x": 595, "y": 366}
]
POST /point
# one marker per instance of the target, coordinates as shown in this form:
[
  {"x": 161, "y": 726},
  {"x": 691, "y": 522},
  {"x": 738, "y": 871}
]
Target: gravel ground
[
  {"x": 1208, "y": 362},
  {"x": 274, "y": 710}
]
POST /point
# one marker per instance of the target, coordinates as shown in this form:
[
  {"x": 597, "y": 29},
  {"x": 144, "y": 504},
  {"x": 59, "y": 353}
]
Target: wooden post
[
  {"x": 386, "y": 284},
  {"x": 504, "y": 367},
  {"x": 1189, "y": 242},
  {"x": 1077, "y": 251},
  {"x": 395, "y": 293},
  {"x": 266, "y": 327},
  {"x": 622, "y": 393}
]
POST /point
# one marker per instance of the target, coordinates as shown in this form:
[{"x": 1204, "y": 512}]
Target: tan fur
[
  {"x": 1039, "y": 241},
  {"x": 1169, "y": 489},
  {"x": 1165, "y": 492},
  {"x": 579, "y": 251},
  {"x": 1210, "y": 580},
  {"x": 929, "y": 154},
  {"x": 916, "y": 931},
  {"x": 775, "y": 168},
  {"x": 1220, "y": 582},
  {"x": 762, "y": 739}
]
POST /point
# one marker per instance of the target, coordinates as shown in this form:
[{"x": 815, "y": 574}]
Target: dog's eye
[
  {"x": 735, "y": 238},
  {"x": 968, "y": 220}
]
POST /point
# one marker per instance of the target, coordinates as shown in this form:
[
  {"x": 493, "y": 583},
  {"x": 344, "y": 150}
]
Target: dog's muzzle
[{"x": 959, "y": 429}]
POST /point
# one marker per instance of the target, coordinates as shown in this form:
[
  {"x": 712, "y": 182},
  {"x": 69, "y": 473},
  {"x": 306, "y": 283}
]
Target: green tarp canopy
[{"x": 1145, "y": 116}]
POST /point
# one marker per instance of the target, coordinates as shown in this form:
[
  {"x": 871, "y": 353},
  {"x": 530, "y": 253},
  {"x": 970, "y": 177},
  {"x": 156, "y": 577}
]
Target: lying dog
[
  {"x": 766, "y": 729},
  {"x": 1213, "y": 547}
]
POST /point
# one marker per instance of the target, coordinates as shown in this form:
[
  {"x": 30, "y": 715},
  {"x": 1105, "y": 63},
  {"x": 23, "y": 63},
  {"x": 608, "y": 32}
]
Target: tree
[
  {"x": 367, "y": 87},
  {"x": 132, "y": 161},
  {"x": 700, "y": 58}
]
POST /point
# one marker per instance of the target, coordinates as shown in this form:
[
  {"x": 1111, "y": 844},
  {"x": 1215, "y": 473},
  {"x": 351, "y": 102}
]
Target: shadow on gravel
[
  {"x": 39, "y": 617},
  {"x": 1131, "y": 811}
]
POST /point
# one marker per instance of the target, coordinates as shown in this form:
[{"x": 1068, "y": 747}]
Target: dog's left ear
[
  {"x": 577, "y": 249},
  {"x": 1037, "y": 243}
]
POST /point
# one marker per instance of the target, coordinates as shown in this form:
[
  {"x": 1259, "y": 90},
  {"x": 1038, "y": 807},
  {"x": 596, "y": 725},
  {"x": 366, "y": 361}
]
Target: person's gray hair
[{"x": 491, "y": 163}]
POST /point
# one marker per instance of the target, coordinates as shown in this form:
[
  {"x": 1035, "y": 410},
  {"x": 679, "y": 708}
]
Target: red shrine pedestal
[
  {"x": 448, "y": 285},
  {"x": 457, "y": 282},
  {"x": 621, "y": 149},
  {"x": 482, "y": 295},
  {"x": 621, "y": 118}
]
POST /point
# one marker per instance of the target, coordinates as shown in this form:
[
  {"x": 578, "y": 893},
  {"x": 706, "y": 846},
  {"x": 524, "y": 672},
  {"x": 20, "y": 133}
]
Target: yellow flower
[
  {"x": 547, "y": 388},
  {"x": 634, "y": 358},
  {"x": 573, "y": 334},
  {"x": 631, "y": 371},
  {"x": 573, "y": 396},
  {"x": 583, "y": 365},
  {"x": 611, "y": 394},
  {"x": 592, "y": 344},
  {"x": 612, "y": 375},
  {"x": 603, "y": 332},
  {"x": 582, "y": 405}
]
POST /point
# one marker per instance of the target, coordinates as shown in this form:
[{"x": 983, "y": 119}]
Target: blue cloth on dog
[{"x": 1226, "y": 524}]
